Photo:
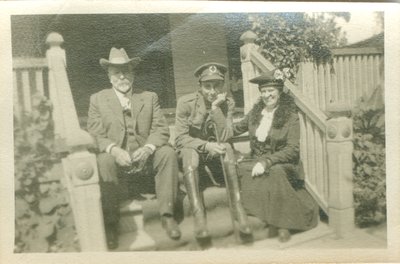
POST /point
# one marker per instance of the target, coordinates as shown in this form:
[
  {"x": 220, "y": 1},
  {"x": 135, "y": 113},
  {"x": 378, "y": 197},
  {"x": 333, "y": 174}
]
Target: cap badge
[{"x": 213, "y": 69}]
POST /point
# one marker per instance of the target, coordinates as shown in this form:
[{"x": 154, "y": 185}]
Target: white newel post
[
  {"x": 339, "y": 133},
  {"x": 80, "y": 167},
  {"x": 250, "y": 91}
]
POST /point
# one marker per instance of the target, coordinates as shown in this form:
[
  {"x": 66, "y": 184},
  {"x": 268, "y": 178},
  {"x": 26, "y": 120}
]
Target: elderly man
[
  {"x": 202, "y": 119},
  {"x": 132, "y": 135}
]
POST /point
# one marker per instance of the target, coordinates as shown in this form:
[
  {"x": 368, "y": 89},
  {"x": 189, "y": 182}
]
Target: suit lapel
[{"x": 115, "y": 105}]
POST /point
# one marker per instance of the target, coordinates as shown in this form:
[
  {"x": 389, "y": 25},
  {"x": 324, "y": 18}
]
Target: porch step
[{"x": 219, "y": 224}]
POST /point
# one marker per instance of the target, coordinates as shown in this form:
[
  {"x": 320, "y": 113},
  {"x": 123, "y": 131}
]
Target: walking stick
[{"x": 231, "y": 209}]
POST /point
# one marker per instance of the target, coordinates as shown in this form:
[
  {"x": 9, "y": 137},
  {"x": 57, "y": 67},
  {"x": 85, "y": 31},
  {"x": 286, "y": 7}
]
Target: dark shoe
[
  {"x": 243, "y": 223},
  {"x": 272, "y": 231},
  {"x": 200, "y": 226},
  {"x": 112, "y": 236},
  {"x": 171, "y": 227},
  {"x": 283, "y": 235},
  {"x": 245, "y": 229}
]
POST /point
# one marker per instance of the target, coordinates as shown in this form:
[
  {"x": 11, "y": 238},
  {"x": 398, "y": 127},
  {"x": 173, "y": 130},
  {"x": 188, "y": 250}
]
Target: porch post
[
  {"x": 80, "y": 166},
  {"x": 250, "y": 91},
  {"x": 339, "y": 133}
]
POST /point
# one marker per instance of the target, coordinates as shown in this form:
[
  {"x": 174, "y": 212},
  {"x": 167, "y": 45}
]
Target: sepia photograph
[{"x": 200, "y": 132}]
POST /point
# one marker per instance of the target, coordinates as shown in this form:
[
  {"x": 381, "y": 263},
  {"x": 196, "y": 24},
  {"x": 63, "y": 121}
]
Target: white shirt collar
[
  {"x": 268, "y": 113},
  {"x": 122, "y": 98}
]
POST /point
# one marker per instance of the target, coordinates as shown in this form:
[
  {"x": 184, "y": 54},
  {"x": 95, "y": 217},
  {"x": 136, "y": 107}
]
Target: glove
[
  {"x": 261, "y": 167},
  {"x": 258, "y": 170}
]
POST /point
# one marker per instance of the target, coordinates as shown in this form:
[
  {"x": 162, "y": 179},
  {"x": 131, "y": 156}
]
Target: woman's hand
[
  {"x": 258, "y": 170},
  {"x": 261, "y": 167}
]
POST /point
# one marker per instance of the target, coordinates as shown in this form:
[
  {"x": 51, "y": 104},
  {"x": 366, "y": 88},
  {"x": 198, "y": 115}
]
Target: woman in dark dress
[{"x": 274, "y": 189}]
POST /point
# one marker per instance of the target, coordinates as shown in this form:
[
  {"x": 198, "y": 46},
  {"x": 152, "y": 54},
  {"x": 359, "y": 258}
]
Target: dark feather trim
[{"x": 285, "y": 108}]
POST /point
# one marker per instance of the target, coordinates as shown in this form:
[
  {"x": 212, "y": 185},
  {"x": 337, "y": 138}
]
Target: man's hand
[
  {"x": 231, "y": 104},
  {"x": 141, "y": 154},
  {"x": 258, "y": 170},
  {"x": 121, "y": 156},
  {"x": 215, "y": 149},
  {"x": 220, "y": 99}
]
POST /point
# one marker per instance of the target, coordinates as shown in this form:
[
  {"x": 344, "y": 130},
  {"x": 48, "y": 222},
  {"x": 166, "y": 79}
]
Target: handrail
[
  {"x": 357, "y": 51},
  {"x": 29, "y": 62},
  {"x": 305, "y": 105},
  {"x": 66, "y": 122},
  {"x": 80, "y": 166}
]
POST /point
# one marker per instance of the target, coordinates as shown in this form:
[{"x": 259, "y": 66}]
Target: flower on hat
[
  {"x": 278, "y": 75},
  {"x": 282, "y": 74},
  {"x": 286, "y": 72}
]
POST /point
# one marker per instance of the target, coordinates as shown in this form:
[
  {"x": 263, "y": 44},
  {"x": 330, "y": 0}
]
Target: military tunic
[{"x": 194, "y": 129}]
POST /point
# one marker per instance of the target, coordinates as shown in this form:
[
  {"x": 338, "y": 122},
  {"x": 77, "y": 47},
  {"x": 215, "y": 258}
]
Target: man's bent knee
[
  {"x": 190, "y": 158},
  {"x": 107, "y": 167},
  {"x": 105, "y": 159},
  {"x": 165, "y": 152}
]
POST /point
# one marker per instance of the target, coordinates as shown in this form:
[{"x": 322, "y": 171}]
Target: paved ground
[{"x": 220, "y": 226}]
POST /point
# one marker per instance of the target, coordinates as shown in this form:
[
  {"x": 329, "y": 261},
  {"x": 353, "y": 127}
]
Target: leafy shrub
[
  {"x": 286, "y": 39},
  {"x": 42, "y": 212},
  {"x": 369, "y": 164}
]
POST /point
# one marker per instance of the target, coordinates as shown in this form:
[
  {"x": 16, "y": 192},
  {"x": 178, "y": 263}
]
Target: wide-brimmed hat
[
  {"x": 211, "y": 71},
  {"x": 274, "y": 78},
  {"x": 119, "y": 57}
]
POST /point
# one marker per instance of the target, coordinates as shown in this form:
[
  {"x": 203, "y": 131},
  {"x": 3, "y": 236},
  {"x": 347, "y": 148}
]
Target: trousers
[{"x": 116, "y": 185}]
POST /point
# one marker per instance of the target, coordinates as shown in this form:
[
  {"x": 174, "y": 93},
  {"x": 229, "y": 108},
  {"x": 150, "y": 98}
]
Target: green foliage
[
  {"x": 42, "y": 213},
  {"x": 369, "y": 165},
  {"x": 286, "y": 39}
]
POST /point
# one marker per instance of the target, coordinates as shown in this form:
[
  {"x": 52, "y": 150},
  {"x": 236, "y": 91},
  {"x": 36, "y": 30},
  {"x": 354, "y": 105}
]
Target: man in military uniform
[
  {"x": 132, "y": 135},
  {"x": 203, "y": 125}
]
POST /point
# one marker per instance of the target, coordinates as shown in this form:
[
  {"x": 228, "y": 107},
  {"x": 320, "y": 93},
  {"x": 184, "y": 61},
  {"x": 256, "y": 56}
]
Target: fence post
[
  {"x": 80, "y": 170},
  {"x": 250, "y": 91},
  {"x": 339, "y": 131},
  {"x": 80, "y": 166}
]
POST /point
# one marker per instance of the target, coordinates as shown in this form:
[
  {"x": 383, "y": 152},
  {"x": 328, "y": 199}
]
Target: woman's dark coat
[{"x": 277, "y": 197}]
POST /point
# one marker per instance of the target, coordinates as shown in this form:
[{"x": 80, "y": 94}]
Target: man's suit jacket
[{"x": 106, "y": 120}]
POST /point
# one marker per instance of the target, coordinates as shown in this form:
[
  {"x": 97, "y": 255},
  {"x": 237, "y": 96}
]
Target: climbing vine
[{"x": 43, "y": 218}]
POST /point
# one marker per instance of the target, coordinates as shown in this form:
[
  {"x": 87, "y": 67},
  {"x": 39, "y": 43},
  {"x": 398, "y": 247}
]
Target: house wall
[{"x": 195, "y": 39}]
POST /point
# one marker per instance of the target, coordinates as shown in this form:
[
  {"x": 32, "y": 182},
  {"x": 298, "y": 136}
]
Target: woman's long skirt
[{"x": 278, "y": 198}]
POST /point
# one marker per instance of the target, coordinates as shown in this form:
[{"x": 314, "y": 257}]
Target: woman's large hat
[
  {"x": 119, "y": 57},
  {"x": 274, "y": 78}
]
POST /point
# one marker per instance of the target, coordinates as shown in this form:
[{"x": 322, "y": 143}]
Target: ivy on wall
[{"x": 43, "y": 217}]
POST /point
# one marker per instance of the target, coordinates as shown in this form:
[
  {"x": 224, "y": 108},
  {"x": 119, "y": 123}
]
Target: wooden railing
[
  {"x": 28, "y": 79},
  {"x": 48, "y": 76},
  {"x": 325, "y": 143},
  {"x": 354, "y": 73}
]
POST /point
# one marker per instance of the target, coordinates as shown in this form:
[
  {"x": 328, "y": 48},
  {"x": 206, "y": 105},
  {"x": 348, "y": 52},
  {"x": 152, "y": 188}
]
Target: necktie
[{"x": 127, "y": 103}]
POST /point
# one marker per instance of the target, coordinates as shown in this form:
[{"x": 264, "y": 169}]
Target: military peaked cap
[{"x": 211, "y": 71}]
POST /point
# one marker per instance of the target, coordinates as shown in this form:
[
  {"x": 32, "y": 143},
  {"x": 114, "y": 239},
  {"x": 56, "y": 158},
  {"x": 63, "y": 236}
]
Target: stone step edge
[
  {"x": 320, "y": 231},
  {"x": 213, "y": 196}
]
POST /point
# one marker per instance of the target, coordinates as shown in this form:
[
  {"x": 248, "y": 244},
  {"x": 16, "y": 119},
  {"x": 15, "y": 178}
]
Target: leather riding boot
[
  {"x": 191, "y": 180},
  {"x": 232, "y": 186}
]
